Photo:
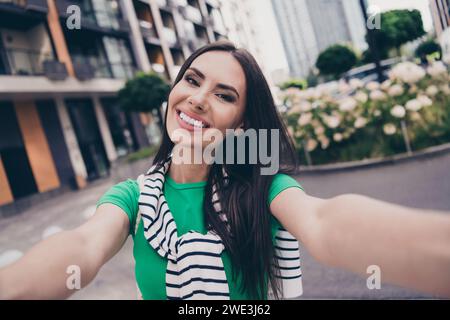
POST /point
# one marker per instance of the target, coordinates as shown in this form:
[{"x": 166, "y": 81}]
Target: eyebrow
[{"x": 219, "y": 85}]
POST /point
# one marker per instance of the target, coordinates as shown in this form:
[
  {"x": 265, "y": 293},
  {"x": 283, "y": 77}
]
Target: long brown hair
[{"x": 245, "y": 198}]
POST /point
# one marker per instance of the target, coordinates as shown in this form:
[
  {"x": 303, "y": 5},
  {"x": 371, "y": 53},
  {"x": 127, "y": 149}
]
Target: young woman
[{"x": 211, "y": 230}]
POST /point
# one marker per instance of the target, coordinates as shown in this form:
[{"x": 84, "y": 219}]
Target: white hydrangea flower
[
  {"x": 446, "y": 59},
  {"x": 389, "y": 129},
  {"x": 356, "y": 83},
  {"x": 332, "y": 121},
  {"x": 305, "y": 106},
  {"x": 337, "y": 137},
  {"x": 310, "y": 93},
  {"x": 296, "y": 108},
  {"x": 360, "y": 122},
  {"x": 292, "y": 91},
  {"x": 361, "y": 96},
  {"x": 432, "y": 90},
  {"x": 407, "y": 72},
  {"x": 377, "y": 95},
  {"x": 398, "y": 111},
  {"x": 386, "y": 84},
  {"x": 377, "y": 113},
  {"x": 413, "y": 105},
  {"x": 424, "y": 100},
  {"x": 305, "y": 119},
  {"x": 347, "y": 104},
  {"x": 436, "y": 69},
  {"x": 344, "y": 86},
  {"x": 372, "y": 85},
  {"x": 317, "y": 104},
  {"x": 311, "y": 145},
  {"x": 396, "y": 90},
  {"x": 445, "y": 88},
  {"x": 324, "y": 142},
  {"x": 319, "y": 130}
]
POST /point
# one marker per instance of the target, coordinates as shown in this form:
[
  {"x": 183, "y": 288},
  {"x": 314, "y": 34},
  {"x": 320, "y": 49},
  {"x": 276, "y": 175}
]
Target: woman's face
[{"x": 210, "y": 96}]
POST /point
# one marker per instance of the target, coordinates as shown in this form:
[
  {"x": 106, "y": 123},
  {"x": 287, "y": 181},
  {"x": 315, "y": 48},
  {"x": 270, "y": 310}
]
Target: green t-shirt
[{"x": 185, "y": 202}]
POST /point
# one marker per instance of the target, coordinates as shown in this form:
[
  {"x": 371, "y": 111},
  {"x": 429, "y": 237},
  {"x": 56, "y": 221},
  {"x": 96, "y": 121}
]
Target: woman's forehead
[{"x": 221, "y": 67}]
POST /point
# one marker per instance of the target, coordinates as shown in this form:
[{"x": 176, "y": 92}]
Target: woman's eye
[
  {"x": 225, "y": 97},
  {"x": 191, "y": 81}
]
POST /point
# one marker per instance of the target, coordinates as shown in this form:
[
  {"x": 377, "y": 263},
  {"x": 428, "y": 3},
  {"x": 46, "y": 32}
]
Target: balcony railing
[
  {"x": 170, "y": 36},
  {"x": 99, "y": 18},
  {"x": 147, "y": 29},
  {"x": 36, "y": 5},
  {"x": 196, "y": 43},
  {"x": 87, "y": 68},
  {"x": 214, "y": 3},
  {"x": 166, "y": 4},
  {"x": 26, "y": 62},
  {"x": 193, "y": 14}
]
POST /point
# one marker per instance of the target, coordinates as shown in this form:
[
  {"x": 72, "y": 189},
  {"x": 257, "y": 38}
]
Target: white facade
[
  {"x": 309, "y": 26},
  {"x": 243, "y": 22}
]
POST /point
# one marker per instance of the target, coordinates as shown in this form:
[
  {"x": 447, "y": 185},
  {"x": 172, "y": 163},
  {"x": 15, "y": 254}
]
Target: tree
[
  {"x": 367, "y": 56},
  {"x": 336, "y": 60},
  {"x": 397, "y": 28},
  {"x": 293, "y": 83},
  {"x": 428, "y": 47},
  {"x": 144, "y": 93}
]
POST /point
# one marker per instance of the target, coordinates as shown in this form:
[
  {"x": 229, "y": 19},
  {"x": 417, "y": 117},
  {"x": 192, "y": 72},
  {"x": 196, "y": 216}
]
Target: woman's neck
[{"x": 188, "y": 173}]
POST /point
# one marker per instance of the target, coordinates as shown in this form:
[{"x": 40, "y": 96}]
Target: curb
[{"x": 370, "y": 163}]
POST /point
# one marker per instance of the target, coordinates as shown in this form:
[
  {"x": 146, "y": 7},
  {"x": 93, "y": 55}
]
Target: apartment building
[
  {"x": 310, "y": 26},
  {"x": 440, "y": 13},
  {"x": 60, "y": 123}
]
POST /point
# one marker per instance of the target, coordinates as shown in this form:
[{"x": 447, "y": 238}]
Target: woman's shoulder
[
  {"x": 125, "y": 195},
  {"x": 126, "y": 188},
  {"x": 280, "y": 182}
]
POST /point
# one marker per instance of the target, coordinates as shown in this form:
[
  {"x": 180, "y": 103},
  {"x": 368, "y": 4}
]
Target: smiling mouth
[{"x": 192, "y": 122}]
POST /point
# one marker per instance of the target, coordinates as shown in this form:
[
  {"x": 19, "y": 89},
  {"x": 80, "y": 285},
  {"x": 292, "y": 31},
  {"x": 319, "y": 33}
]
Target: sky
[{"x": 274, "y": 58}]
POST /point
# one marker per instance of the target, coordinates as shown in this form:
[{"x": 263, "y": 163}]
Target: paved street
[{"x": 421, "y": 184}]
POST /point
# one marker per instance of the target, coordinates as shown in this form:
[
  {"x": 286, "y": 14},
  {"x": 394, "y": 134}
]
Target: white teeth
[{"x": 193, "y": 122}]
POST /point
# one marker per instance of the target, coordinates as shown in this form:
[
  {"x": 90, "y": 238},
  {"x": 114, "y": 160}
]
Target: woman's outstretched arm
[
  {"x": 411, "y": 246},
  {"x": 42, "y": 273}
]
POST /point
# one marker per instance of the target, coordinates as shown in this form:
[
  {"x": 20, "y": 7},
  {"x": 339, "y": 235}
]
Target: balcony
[
  {"x": 214, "y": 3},
  {"x": 29, "y": 5},
  {"x": 201, "y": 42},
  {"x": 97, "y": 20},
  {"x": 193, "y": 14},
  {"x": 26, "y": 62},
  {"x": 149, "y": 32},
  {"x": 87, "y": 68},
  {"x": 170, "y": 36},
  {"x": 194, "y": 44},
  {"x": 166, "y": 5}
]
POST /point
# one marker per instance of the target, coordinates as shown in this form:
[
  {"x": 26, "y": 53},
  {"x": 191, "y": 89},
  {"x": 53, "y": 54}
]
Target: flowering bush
[{"x": 350, "y": 121}]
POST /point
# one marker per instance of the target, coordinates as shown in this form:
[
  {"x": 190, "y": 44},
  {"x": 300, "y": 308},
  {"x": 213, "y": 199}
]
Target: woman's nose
[{"x": 198, "y": 101}]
